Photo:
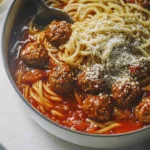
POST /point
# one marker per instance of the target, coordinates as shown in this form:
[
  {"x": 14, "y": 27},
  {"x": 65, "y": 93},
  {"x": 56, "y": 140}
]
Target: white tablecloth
[{"x": 19, "y": 132}]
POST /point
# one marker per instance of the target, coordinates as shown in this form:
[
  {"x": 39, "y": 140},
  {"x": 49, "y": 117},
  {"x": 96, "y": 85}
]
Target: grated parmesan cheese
[
  {"x": 94, "y": 72},
  {"x": 113, "y": 46}
]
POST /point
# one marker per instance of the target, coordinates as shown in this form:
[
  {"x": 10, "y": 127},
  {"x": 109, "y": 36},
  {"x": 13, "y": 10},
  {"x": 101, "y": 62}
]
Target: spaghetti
[{"x": 100, "y": 21}]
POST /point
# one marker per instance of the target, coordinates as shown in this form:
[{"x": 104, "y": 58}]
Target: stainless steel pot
[{"x": 89, "y": 140}]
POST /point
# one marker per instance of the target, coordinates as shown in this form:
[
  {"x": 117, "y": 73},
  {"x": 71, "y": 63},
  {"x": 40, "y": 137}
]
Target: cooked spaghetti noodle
[{"x": 99, "y": 22}]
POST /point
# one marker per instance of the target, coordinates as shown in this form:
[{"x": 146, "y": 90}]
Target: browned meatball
[
  {"x": 58, "y": 32},
  {"x": 121, "y": 113},
  {"x": 138, "y": 71},
  {"x": 34, "y": 55},
  {"x": 98, "y": 107},
  {"x": 61, "y": 79},
  {"x": 124, "y": 92},
  {"x": 142, "y": 110},
  {"x": 91, "y": 79},
  {"x": 143, "y": 3}
]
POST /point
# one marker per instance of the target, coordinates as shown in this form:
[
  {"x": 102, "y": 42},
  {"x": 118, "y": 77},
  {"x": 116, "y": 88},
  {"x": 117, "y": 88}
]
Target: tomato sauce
[{"x": 76, "y": 119}]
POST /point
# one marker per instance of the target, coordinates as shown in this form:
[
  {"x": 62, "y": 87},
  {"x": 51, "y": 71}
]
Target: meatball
[
  {"x": 61, "y": 79},
  {"x": 124, "y": 92},
  {"x": 142, "y": 110},
  {"x": 138, "y": 71},
  {"x": 98, "y": 108},
  {"x": 143, "y": 3},
  {"x": 121, "y": 113},
  {"x": 58, "y": 32},
  {"x": 91, "y": 80},
  {"x": 34, "y": 55}
]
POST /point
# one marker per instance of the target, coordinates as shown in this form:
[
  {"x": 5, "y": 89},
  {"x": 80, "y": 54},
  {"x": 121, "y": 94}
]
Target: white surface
[
  {"x": 4, "y": 6},
  {"x": 19, "y": 132}
]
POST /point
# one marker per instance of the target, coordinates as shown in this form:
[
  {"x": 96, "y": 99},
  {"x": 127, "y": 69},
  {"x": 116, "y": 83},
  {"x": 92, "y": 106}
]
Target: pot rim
[{"x": 6, "y": 66}]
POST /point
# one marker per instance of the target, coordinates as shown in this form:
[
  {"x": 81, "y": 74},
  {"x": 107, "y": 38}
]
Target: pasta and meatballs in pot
[{"x": 93, "y": 75}]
